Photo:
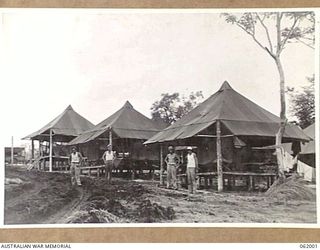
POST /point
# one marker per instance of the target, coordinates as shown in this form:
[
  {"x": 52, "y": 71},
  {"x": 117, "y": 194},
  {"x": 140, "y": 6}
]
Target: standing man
[
  {"x": 108, "y": 159},
  {"x": 192, "y": 170},
  {"x": 75, "y": 161},
  {"x": 172, "y": 160}
]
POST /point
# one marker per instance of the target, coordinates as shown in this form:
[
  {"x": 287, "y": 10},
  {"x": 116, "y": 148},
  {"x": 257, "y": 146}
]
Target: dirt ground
[{"x": 48, "y": 198}]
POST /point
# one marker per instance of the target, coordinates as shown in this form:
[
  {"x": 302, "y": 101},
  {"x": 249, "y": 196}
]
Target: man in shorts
[
  {"x": 108, "y": 159},
  {"x": 192, "y": 169},
  {"x": 75, "y": 161},
  {"x": 173, "y": 161}
]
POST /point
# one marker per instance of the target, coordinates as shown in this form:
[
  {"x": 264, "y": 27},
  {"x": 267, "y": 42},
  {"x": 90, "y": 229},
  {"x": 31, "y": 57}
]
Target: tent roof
[
  {"x": 240, "y": 116},
  {"x": 125, "y": 123},
  {"x": 68, "y": 123}
]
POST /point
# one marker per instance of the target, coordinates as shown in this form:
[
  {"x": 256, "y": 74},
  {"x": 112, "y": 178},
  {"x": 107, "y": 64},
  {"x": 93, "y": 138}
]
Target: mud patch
[
  {"x": 153, "y": 212},
  {"x": 93, "y": 216}
]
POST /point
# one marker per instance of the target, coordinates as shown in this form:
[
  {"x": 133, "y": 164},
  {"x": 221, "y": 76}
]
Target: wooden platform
[
  {"x": 229, "y": 178},
  {"x": 60, "y": 163}
]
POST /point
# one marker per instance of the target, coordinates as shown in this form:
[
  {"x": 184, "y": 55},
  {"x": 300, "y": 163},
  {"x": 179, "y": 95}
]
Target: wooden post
[
  {"x": 251, "y": 183},
  {"x": 32, "y": 149},
  {"x": 11, "y": 150},
  {"x": 161, "y": 166},
  {"x": 110, "y": 138},
  {"x": 40, "y": 148},
  {"x": 219, "y": 158},
  {"x": 233, "y": 182},
  {"x": 50, "y": 152},
  {"x": 206, "y": 180},
  {"x": 40, "y": 155}
]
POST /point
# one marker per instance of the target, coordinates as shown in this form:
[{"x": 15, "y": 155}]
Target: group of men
[
  {"x": 172, "y": 161},
  {"x": 76, "y": 159}
]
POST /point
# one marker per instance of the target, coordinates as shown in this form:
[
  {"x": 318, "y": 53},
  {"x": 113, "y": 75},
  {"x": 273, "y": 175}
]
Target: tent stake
[
  {"x": 50, "y": 152},
  {"x": 219, "y": 158}
]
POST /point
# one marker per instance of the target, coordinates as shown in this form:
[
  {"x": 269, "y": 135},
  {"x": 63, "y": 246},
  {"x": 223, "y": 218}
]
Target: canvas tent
[
  {"x": 125, "y": 130},
  {"x": 226, "y": 120},
  {"x": 65, "y": 127},
  {"x": 62, "y": 129},
  {"x": 240, "y": 116},
  {"x": 306, "y": 158},
  {"x": 307, "y": 149}
]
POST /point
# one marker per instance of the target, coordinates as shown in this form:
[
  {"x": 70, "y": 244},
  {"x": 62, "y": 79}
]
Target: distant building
[{"x": 19, "y": 155}]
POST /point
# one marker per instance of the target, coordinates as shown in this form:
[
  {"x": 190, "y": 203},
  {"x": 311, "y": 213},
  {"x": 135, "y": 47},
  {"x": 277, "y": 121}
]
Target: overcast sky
[{"x": 95, "y": 61}]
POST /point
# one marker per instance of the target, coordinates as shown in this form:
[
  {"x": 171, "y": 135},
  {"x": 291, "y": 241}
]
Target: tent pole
[
  {"x": 32, "y": 149},
  {"x": 110, "y": 144},
  {"x": 161, "y": 165},
  {"x": 50, "y": 152},
  {"x": 219, "y": 157},
  {"x": 110, "y": 138},
  {"x": 11, "y": 150}
]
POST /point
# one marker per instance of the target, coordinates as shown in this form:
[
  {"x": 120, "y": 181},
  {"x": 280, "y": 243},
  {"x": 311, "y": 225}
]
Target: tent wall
[
  {"x": 91, "y": 150},
  {"x": 309, "y": 159},
  {"x": 234, "y": 158},
  {"x": 143, "y": 152},
  {"x": 94, "y": 150}
]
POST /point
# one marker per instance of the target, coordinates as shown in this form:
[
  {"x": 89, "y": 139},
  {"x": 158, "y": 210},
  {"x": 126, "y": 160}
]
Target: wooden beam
[
  {"x": 161, "y": 165},
  {"x": 50, "y": 152},
  {"x": 103, "y": 139},
  {"x": 219, "y": 158},
  {"x": 214, "y": 136}
]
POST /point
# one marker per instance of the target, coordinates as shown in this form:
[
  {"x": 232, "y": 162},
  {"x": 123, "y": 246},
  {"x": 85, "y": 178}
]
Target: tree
[
  {"x": 303, "y": 104},
  {"x": 290, "y": 27},
  {"x": 172, "y": 107}
]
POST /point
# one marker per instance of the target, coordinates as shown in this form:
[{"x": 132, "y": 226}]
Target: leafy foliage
[
  {"x": 303, "y": 104},
  {"x": 172, "y": 107},
  {"x": 293, "y": 27}
]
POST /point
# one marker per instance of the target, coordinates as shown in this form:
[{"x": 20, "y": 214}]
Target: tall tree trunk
[{"x": 283, "y": 121}]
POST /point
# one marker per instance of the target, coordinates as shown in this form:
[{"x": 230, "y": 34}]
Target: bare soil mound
[
  {"x": 121, "y": 202},
  {"x": 293, "y": 188},
  {"x": 39, "y": 196}
]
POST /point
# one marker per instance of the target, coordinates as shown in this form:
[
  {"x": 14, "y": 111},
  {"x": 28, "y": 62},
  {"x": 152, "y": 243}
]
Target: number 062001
[{"x": 308, "y": 245}]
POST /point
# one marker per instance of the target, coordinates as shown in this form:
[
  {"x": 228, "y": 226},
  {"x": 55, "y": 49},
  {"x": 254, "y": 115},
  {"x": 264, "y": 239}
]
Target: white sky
[{"x": 95, "y": 62}]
